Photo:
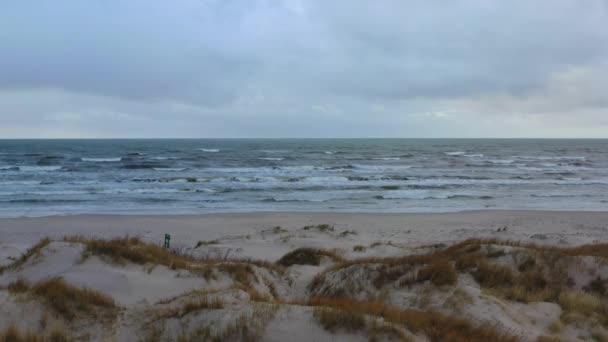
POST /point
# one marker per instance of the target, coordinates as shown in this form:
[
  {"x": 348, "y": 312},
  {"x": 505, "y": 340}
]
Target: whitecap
[
  {"x": 455, "y": 153},
  {"x": 413, "y": 194},
  {"x": 101, "y": 160},
  {"x": 209, "y": 150},
  {"x": 500, "y": 161},
  {"x": 387, "y": 158},
  {"x": 170, "y": 169},
  {"x": 329, "y": 152},
  {"x": 475, "y": 155},
  {"x": 272, "y": 159},
  {"x": 382, "y": 168},
  {"x": 39, "y": 168}
]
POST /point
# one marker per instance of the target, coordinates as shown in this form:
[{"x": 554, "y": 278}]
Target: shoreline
[{"x": 562, "y": 228}]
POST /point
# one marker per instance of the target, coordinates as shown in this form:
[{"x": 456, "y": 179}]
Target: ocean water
[{"x": 47, "y": 177}]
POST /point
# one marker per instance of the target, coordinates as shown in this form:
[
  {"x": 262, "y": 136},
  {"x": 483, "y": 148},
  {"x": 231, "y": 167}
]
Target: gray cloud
[{"x": 276, "y": 68}]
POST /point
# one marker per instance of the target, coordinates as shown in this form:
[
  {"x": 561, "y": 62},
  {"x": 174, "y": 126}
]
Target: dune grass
[
  {"x": 436, "y": 326},
  {"x": 31, "y": 252},
  {"x": 307, "y": 256},
  {"x": 13, "y": 334},
  {"x": 64, "y": 299}
]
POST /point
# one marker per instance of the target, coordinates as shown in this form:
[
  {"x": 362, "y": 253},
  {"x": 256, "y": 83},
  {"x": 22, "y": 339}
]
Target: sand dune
[{"x": 505, "y": 276}]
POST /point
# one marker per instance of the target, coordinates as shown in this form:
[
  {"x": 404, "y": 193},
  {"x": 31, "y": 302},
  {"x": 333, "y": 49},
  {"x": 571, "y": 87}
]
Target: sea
[{"x": 179, "y": 176}]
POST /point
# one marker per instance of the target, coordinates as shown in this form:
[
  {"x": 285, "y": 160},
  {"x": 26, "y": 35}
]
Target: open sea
[{"x": 164, "y": 176}]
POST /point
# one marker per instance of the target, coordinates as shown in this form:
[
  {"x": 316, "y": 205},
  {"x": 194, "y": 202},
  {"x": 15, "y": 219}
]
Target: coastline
[{"x": 563, "y": 228}]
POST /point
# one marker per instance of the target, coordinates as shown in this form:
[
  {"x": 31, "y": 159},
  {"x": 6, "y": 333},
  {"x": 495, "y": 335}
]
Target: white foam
[
  {"x": 270, "y": 158},
  {"x": 387, "y": 158},
  {"x": 552, "y": 157},
  {"x": 169, "y": 169},
  {"x": 455, "y": 153},
  {"x": 382, "y": 168},
  {"x": 499, "y": 161},
  {"x": 475, "y": 155},
  {"x": 329, "y": 179},
  {"x": 39, "y": 168},
  {"x": 329, "y": 152},
  {"x": 102, "y": 160},
  {"x": 413, "y": 194},
  {"x": 209, "y": 150}
]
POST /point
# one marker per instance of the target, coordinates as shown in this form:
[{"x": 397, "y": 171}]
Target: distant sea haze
[{"x": 48, "y": 177}]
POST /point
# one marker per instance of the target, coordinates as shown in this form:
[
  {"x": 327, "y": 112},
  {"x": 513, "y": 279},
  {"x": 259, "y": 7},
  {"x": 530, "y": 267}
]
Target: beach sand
[{"x": 269, "y": 236}]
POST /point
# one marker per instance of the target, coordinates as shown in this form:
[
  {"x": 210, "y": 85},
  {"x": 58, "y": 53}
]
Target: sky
[{"x": 296, "y": 68}]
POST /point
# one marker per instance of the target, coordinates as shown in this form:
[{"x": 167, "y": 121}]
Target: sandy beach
[
  {"x": 544, "y": 227},
  {"x": 264, "y": 275}
]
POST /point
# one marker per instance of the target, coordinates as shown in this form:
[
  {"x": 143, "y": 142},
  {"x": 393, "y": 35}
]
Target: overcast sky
[{"x": 315, "y": 68}]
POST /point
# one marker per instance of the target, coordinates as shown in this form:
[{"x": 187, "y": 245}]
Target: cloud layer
[{"x": 262, "y": 68}]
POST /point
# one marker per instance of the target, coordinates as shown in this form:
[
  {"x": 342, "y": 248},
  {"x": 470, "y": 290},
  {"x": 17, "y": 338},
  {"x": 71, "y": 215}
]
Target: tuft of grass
[
  {"x": 493, "y": 276},
  {"x": 436, "y": 326},
  {"x": 580, "y": 302},
  {"x": 279, "y": 230},
  {"x": 31, "y": 252},
  {"x": 439, "y": 273},
  {"x": 67, "y": 300},
  {"x": 335, "y": 319},
  {"x": 359, "y": 248},
  {"x": 548, "y": 339},
  {"x": 18, "y": 286},
  {"x": 206, "y": 243},
  {"x": 307, "y": 256},
  {"x": 320, "y": 227},
  {"x": 132, "y": 249},
  {"x": 13, "y": 334}
]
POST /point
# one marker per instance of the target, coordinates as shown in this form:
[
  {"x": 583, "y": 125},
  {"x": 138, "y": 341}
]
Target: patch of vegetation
[
  {"x": 66, "y": 300},
  {"x": 580, "y": 302},
  {"x": 279, "y": 229},
  {"x": 359, "y": 248},
  {"x": 320, "y": 227},
  {"x": 307, "y": 256},
  {"x": 131, "y": 249},
  {"x": 436, "y": 326},
  {"x": 347, "y": 233},
  {"x": 18, "y": 286},
  {"x": 206, "y": 243},
  {"x": 439, "y": 273},
  {"x": 492, "y": 275},
  {"x": 13, "y": 334},
  {"x": 334, "y": 319},
  {"x": 33, "y": 251}
]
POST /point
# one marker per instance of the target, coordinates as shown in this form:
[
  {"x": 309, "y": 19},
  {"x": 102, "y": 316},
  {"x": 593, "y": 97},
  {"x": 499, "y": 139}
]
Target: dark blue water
[{"x": 40, "y": 177}]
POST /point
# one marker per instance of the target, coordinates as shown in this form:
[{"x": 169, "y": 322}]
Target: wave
[
  {"x": 169, "y": 169},
  {"x": 499, "y": 161},
  {"x": 274, "y": 151},
  {"x": 427, "y": 195},
  {"x": 143, "y": 166},
  {"x": 581, "y": 158},
  {"x": 209, "y": 150},
  {"x": 475, "y": 155},
  {"x": 455, "y": 153},
  {"x": 39, "y": 168},
  {"x": 102, "y": 160},
  {"x": 329, "y": 152},
  {"x": 9, "y": 168},
  {"x": 43, "y": 200},
  {"x": 387, "y": 158},
  {"x": 382, "y": 168},
  {"x": 271, "y": 158}
]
